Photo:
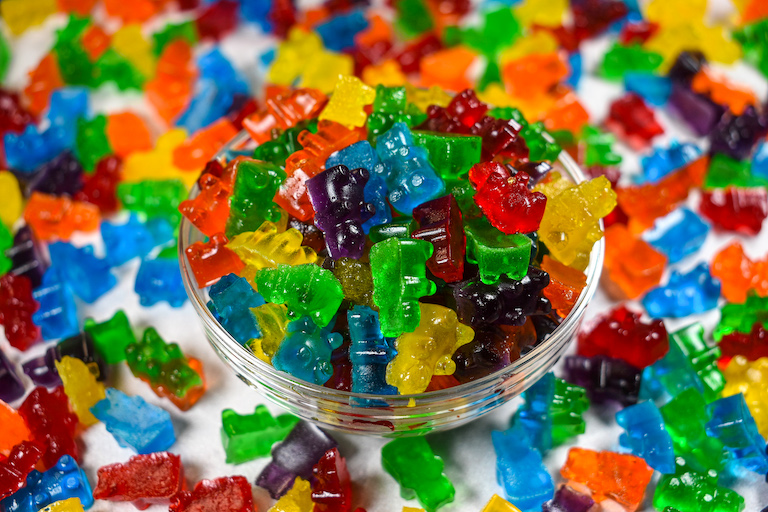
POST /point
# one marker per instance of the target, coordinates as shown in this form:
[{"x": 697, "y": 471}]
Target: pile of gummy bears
[{"x": 403, "y": 221}]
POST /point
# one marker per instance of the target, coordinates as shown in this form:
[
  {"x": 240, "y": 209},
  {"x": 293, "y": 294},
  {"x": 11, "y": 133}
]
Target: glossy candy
[
  {"x": 632, "y": 265},
  {"x": 684, "y": 294},
  {"x": 736, "y": 135},
  {"x": 100, "y": 188},
  {"x": 732, "y": 424},
  {"x": 272, "y": 320},
  {"x": 743, "y": 376},
  {"x": 223, "y": 494},
  {"x": 496, "y": 253},
  {"x": 688, "y": 490},
  {"x": 81, "y": 388},
  {"x": 701, "y": 358},
  {"x": 143, "y": 480},
  {"x": 111, "y": 336},
  {"x": 568, "y": 500},
  {"x": 231, "y": 301},
  {"x": 58, "y": 217},
  {"x": 663, "y": 161},
  {"x": 211, "y": 260},
  {"x": 565, "y": 285},
  {"x": 519, "y": 469},
  {"x": 440, "y": 223},
  {"x": 740, "y": 317},
  {"x": 305, "y": 352},
  {"x": 413, "y": 464},
  {"x": 42, "y": 370},
  {"x": 154, "y": 198},
  {"x": 605, "y": 379},
  {"x": 86, "y": 275},
  {"x": 159, "y": 280},
  {"x": 451, "y": 155},
  {"x": 347, "y": 102},
  {"x": 51, "y": 423},
  {"x": 332, "y": 492},
  {"x": 736, "y": 209},
  {"x": 631, "y": 119},
  {"x": 646, "y": 437},
  {"x": 249, "y": 436},
  {"x": 15, "y": 467},
  {"x": 678, "y": 234},
  {"x": 62, "y": 481},
  {"x": 17, "y": 309},
  {"x": 356, "y": 280},
  {"x": 284, "y": 112},
  {"x": 57, "y": 316},
  {"x": 123, "y": 242},
  {"x": 209, "y": 210},
  {"x": 370, "y": 352},
  {"x": 11, "y": 386}
]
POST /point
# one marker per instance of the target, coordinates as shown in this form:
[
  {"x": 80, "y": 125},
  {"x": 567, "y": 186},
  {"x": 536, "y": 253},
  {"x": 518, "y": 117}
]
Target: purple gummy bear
[
  {"x": 735, "y": 136},
  {"x": 568, "y": 500},
  {"x": 507, "y": 302},
  {"x": 42, "y": 370},
  {"x": 62, "y": 175},
  {"x": 27, "y": 257},
  {"x": 340, "y": 210},
  {"x": 295, "y": 456},
  {"x": 490, "y": 350},
  {"x": 700, "y": 113},
  {"x": 687, "y": 64},
  {"x": 536, "y": 171},
  {"x": 606, "y": 379},
  {"x": 11, "y": 387}
]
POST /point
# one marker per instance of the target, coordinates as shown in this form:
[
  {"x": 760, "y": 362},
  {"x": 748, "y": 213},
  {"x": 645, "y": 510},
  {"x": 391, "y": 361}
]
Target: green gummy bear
[
  {"x": 356, "y": 280},
  {"x": 496, "y": 253},
  {"x": 413, "y": 18},
  {"x": 620, "y": 59},
  {"x": 598, "y": 147},
  {"x": 491, "y": 75},
  {"x": 154, "y": 198},
  {"x": 701, "y": 357},
  {"x": 5, "y": 57},
  {"x": 186, "y": 30},
  {"x": 6, "y": 242},
  {"x": 724, "y": 171},
  {"x": 450, "y": 155},
  {"x": 413, "y": 464},
  {"x": 541, "y": 145},
  {"x": 464, "y": 193},
  {"x": 113, "y": 67},
  {"x": 692, "y": 490},
  {"x": 499, "y": 29},
  {"x": 401, "y": 228},
  {"x": 391, "y": 106},
  {"x": 91, "y": 142},
  {"x": 250, "y": 436},
  {"x": 307, "y": 290},
  {"x": 568, "y": 405},
  {"x": 162, "y": 364},
  {"x": 399, "y": 270},
  {"x": 251, "y": 203},
  {"x": 754, "y": 42},
  {"x": 74, "y": 63},
  {"x": 741, "y": 317},
  {"x": 277, "y": 150},
  {"x": 111, "y": 337}
]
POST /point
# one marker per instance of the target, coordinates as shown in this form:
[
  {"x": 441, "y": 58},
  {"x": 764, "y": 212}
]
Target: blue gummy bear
[
  {"x": 678, "y": 234},
  {"x": 57, "y": 316},
  {"x": 733, "y": 425},
  {"x": 664, "y": 161},
  {"x": 652, "y": 88},
  {"x": 534, "y": 416},
  {"x": 159, "y": 279},
  {"x": 231, "y": 301},
  {"x": 63, "y": 481},
  {"x": 520, "y": 470},
  {"x": 123, "y": 242},
  {"x": 134, "y": 423},
  {"x": 88, "y": 276},
  {"x": 759, "y": 166},
  {"x": 68, "y": 104},
  {"x": 574, "y": 64},
  {"x": 370, "y": 352},
  {"x": 306, "y": 350},
  {"x": 411, "y": 179},
  {"x": 338, "y": 32},
  {"x": 361, "y": 154},
  {"x": 257, "y": 11},
  {"x": 684, "y": 294},
  {"x": 646, "y": 436},
  {"x": 26, "y": 151}
]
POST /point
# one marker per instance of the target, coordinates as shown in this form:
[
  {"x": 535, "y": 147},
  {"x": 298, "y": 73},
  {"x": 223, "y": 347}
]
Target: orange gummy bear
[
  {"x": 128, "y": 133},
  {"x": 170, "y": 90},
  {"x": 52, "y": 217},
  {"x": 609, "y": 475},
  {"x": 43, "y": 80},
  {"x": 534, "y": 74},
  {"x": 738, "y": 274},
  {"x": 212, "y": 259},
  {"x": 190, "y": 398},
  {"x": 283, "y": 112},
  {"x": 95, "y": 41},
  {"x": 632, "y": 265},
  {"x": 203, "y": 145},
  {"x": 566, "y": 113},
  {"x": 135, "y": 11},
  {"x": 14, "y": 428},
  {"x": 447, "y": 68},
  {"x": 565, "y": 285},
  {"x": 646, "y": 203},
  {"x": 378, "y": 31},
  {"x": 209, "y": 210},
  {"x": 722, "y": 91}
]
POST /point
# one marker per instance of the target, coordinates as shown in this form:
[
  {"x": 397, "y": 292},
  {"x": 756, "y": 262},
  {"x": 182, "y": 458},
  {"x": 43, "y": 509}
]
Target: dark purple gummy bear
[
  {"x": 537, "y": 171},
  {"x": 736, "y": 136},
  {"x": 605, "y": 379},
  {"x": 568, "y": 500},
  {"x": 687, "y": 64},
  {"x": 507, "y": 302},
  {"x": 60, "y": 176},
  {"x": 11, "y": 387},
  {"x": 295, "y": 456},
  {"x": 340, "y": 211},
  {"x": 700, "y": 113},
  {"x": 490, "y": 350},
  {"x": 42, "y": 370},
  {"x": 27, "y": 257}
]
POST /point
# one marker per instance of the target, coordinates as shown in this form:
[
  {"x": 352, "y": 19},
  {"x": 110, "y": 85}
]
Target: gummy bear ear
[{"x": 445, "y": 366}]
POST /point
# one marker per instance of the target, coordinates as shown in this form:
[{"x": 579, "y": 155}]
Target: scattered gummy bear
[{"x": 81, "y": 388}]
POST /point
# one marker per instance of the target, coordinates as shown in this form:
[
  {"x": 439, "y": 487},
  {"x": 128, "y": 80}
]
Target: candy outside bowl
[{"x": 397, "y": 415}]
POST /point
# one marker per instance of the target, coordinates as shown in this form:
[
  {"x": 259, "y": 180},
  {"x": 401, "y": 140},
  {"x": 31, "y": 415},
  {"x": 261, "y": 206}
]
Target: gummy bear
[
  {"x": 370, "y": 352},
  {"x": 347, "y": 102},
  {"x": 332, "y": 492},
  {"x": 440, "y": 223},
  {"x": 565, "y": 285},
  {"x": 742, "y": 210},
  {"x": 250, "y": 204},
  {"x": 520, "y": 470},
  {"x": 495, "y": 252},
  {"x": 17, "y": 306},
  {"x": 684, "y": 294},
  {"x": 731, "y": 422},
  {"x": 646, "y": 436},
  {"x": 678, "y": 234},
  {"x": 211, "y": 260},
  {"x": 51, "y": 423},
  {"x": 631, "y": 119},
  {"x": 605, "y": 379},
  {"x": 59, "y": 217},
  {"x": 249, "y": 436},
  {"x": 273, "y": 322},
  {"x": 129, "y": 481},
  {"x": 81, "y": 387},
  {"x": 209, "y": 210},
  {"x": 159, "y": 280},
  {"x": 88, "y": 276},
  {"x": 63, "y": 481},
  {"x": 57, "y": 316},
  {"x": 231, "y": 301},
  {"x": 223, "y": 494},
  {"x": 17, "y": 465},
  {"x": 305, "y": 352}
]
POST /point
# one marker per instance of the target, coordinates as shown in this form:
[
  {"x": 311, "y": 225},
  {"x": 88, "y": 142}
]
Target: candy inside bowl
[{"x": 449, "y": 399}]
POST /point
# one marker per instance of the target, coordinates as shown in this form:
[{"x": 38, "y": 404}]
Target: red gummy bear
[
  {"x": 15, "y": 468},
  {"x": 16, "y": 308},
  {"x": 100, "y": 188},
  {"x": 463, "y": 113},
  {"x": 224, "y": 494},
  {"x": 212, "y": 259},
  {"x": 621, "y": 334},
  {"x": 217, "y": 20},
  {"x": 505, "y": 199},
  {"x": 282, "y": 16},
  {"x": 632, "y": 120},
  {"x": 52, "y": 424},
  {"x": 736, "y": 209},
  {"x": 440, "y": 224},
  {"x": 210, "y": 209},
  {"x": 410, "y": 57},
  {"x": 753, "y": 346},
  {"x": 501, "y": 138},
  {"x": 333, "y": 491},
  {"x": 145, "y": 480}
]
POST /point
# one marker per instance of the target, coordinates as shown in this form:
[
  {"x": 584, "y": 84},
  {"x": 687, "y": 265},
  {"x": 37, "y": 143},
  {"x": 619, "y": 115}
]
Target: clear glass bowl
[{"x": 389, "y": 415}]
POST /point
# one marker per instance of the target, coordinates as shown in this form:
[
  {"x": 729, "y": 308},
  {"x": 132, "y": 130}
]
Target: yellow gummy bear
[
  {"x": 539, "y": 42},
  {"x": 499, "y": 504},
  {"x": 20, "y": 15},
  {"x": 157, "y": 164},
  {"x": 273, "y": 321},
  {"x": 676, "y": 12},
  {"x": 427, "y": 350},
  {"x": 413, "y": 509},
  {"x": 81, "y": 387},
  {"x": 749, "y": 378},
  {"x": 298, "y": 499},
  {"x": 423, "y": 98},
  {"x": 68, "y": 505},
  {"x": 387, "y": 73},
  {"x": 570, "y": 224},
  {"x": 713, "y": 41},
  {"x": 267, "y": 248},
  {"x": 547, "y": 13},
  {"x": 292, "y": 56},
  {"x": 346, "y": 105},
  {"x": 129, "y": 42},
  {"x": 13, "y": 203},
  {"x": 325, "y": 69}
]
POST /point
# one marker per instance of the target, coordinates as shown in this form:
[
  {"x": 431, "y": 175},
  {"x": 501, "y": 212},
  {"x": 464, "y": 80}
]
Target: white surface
[{"x": 467, "y": 451}]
